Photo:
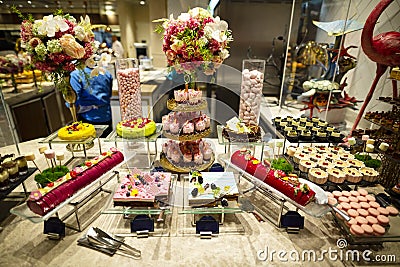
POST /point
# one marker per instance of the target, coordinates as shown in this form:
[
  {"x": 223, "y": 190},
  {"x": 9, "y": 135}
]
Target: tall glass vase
[
  {"x": 251, "y": 90},
  {"x": 128, "y": 77},
  {"x": 69, "y": 95}
]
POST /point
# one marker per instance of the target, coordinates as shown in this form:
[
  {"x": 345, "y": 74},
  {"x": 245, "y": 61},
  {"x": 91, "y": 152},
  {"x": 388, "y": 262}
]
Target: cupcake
[
  {"x": 175, "y": 156},
  {"x": 180, "y": 96},
  {"x": 194, "y": 96},
  {"x": 200, "y": 125},
  {"x": 292, "y": 136},
  {"x": 188, "y": 127},
  {"x": 174, "y": 127},
  {"x": 207, "y": 121},
  {"x": 321, "y": 136},
  {"x": 335, "y": 137},
  {"x": 198, "y": 158}
]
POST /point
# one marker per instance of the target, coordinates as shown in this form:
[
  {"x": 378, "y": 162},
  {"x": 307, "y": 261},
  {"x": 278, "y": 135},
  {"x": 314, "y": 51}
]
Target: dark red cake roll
[{"x": 80, "y": 178}]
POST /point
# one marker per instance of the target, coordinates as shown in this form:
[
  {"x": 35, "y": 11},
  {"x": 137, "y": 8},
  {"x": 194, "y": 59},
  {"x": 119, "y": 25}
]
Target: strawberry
[
  {"x": 73, "y": 174},
  {"x": 88, "y": 163},
  {"x": 50, "y": 184}
]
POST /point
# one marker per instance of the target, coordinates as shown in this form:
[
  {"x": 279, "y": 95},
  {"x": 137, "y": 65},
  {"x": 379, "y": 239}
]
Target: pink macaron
[
  {"x": 337, "y": 194},
  {"x": 383, "y": 220},
  {"x": 383, "y": 211},
  {"x": 346, "y": 193},
  {"x": 392, "y": 211},
  {"x": 332, "y": 201},
  {"x": 343, "y": 199},
  {"x": 361, "y": 220},
  {"x": 362, "y": 192},
  {"x": 374, "y": 204},
  {"x": 373, "y": 212},
  {"x": 370, "y": 197},
  {"x": 345, "y": 206},
  {"x": 371, "y": 219},
  {"x": 352, "y": 213},
  {"x": 363, "y": 212},
  {"x": 354, "y": 193},
  {"x": 378, "y": 229},
  {"x": 367, "y": 229},
  {"x": 328, "y": 194},
  {"x": 362, "y": 198},
  {"x": 353, "y": 199},
  {"x": 355, "y": 205},
  {"x": 365, "y": 205},
  {"x": 356, "y": 229},
  {"x": 351, "y": 222}
]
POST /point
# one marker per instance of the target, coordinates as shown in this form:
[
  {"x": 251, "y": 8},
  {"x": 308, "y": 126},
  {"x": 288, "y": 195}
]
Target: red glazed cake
[
  {"x": 43, "y": 200},
  {"x": 289, "y": 185}
]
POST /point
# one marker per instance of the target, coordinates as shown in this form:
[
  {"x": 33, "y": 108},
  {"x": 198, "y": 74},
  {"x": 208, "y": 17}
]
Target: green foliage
[
  {"x": 282, "y": 164},
  {"x": 369, "y": 161},
  {"x": 50, "y": 175}
]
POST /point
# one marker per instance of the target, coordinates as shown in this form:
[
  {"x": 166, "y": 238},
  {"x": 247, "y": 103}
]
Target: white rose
[
  {"x": 184, "y": 17},
  {"x": 224, "y": 54},
  {"x": 80, "y": 33}
]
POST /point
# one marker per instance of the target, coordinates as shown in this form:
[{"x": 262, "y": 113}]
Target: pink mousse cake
[
  {"x": 43, "y": 200},
  {"x": 142, "y": 188}
]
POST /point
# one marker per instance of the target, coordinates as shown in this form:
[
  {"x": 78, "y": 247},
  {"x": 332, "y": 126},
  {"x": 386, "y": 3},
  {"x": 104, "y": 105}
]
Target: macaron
[
  {"x": 351, "y": 222},
  {"x": 373, "y": 212},
  {"x": 382, "y": 219},
  {"x": 345, "y": 206},
  {"x": 362, "y": 192},
  {"x": 363, "y": 212},
  {"x": 383, "y": 211},
  {"x": 371, "y": 219},
  {"x": 353, "y": 199},
  {"x": 392, "y": 211},
  {"x": 370, "y": 197},
  {"x": 339, "y": 206},
  {"x": 367, "y": 229},
  {"x": 343, "y": 199},
  {"x": 374, "y": 204},
  {"x": 354, "y": 193},
  {"x": 337, "y": 194},
  {"x": 356, "y": 229},
  {"x": 329, "y": 194},
  {"x": 346, "y": 193},
  {"x": 355, "y": 205},
  {"x": 332, "y": 201},
  {"x": 352, "y": 213},
  {"x": 30, "y": 156},
  {"x": 365, "y": 205},
  {"x": 362, "y": 198},
  {"x": 378, "y": 229},
  {"x": 361, "y": 220}
]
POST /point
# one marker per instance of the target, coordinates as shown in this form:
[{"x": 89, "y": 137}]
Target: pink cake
[
  {"x": 187, "y": 153},
  {"x": 189, "y": 96},
  {"x": 185, "y": 123},
  {"x": 43, "y": 200},
  {"x": 142, "y": 187}
]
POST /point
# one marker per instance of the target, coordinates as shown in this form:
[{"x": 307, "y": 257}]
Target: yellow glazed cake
[{"x": 77, "y": 131}]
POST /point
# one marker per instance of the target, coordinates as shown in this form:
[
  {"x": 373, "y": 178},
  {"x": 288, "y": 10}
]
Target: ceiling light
[
  {"x": 46, "y": 6},
  {"x": 1, "y": 2},
  {"x": 29, "y": 2},
  {"x": 20, "y": 5},
  {"x": 142, "y": 2},
  {"x": 108, "y": 7}
]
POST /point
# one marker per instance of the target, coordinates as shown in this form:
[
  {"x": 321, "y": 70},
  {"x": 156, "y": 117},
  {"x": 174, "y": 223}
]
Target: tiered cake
[{"x": 186, "y": 125}]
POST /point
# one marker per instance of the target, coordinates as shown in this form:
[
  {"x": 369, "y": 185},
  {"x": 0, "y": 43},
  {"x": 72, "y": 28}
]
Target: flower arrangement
[
  {"x": 11, "y": 64},
  {"x": 195, "y": 40},
  {"x": 58, "y": 44}
]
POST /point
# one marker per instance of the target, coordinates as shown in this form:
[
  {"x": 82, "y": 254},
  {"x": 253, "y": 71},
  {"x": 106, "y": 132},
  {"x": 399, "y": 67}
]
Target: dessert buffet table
[{"x": 243, "y": 239}]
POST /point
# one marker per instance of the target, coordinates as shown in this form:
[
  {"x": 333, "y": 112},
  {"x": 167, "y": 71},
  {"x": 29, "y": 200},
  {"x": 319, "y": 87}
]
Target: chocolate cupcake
[
  {"x": 335, "y": 137},
  {"x": 292, "y": 136},
  {"x": 305, "y": 136}
]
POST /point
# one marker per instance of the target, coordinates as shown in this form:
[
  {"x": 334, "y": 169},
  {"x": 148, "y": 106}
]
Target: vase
[
  {"x": 69, "y": 95},
  {"x": 129, "y": 91},
  {"x": 251, "y": 90}
]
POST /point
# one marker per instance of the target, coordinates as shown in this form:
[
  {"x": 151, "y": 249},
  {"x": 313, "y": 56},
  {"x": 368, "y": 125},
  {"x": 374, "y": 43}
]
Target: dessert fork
[{"x": 113, "y": 241}]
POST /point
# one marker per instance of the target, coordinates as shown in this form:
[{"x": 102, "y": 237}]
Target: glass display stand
[
  {"x": 4, "y": 192},
  {"x": 75, "y": 145},
  {"x": 274, "y": 196},
  {"x": 227, "y": 218},
  {"x": 76, "y": 202},
  {"x": 135, "y": 146},
  {"x": 160, "y": 214},
  {"x": 251, "y": 145}
]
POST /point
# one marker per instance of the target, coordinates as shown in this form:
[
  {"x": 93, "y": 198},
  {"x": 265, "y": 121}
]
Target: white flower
[
  {"x": 49, "y": 25},
  {"x": 96, "y": 71},
  {"x": 199, "y": 12},
  {"x": 104, "y": 59},
  {"x": 184, "y": 17},
  {"x": 80, "y": 33},
  {"x": 203, "y": 41},
  {"x": 217, "y": 29},
  {"x": 90, "y": 62},
  {"x": 224, "y": 54}
]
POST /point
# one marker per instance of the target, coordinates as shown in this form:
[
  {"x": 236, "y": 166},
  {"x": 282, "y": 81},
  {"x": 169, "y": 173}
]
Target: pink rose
[
  {"x": 71, "y": 47},
  {"x": 35, "y": 42}
]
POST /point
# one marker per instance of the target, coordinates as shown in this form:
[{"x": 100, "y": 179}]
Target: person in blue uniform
[{"x": 93, "y": 97}]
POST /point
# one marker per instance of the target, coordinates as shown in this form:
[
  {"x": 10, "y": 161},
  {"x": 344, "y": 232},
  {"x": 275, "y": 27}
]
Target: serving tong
[{"x": 100, "y": 239}]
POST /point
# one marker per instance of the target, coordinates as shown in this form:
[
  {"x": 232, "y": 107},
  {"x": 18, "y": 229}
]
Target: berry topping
[
  {"x": 88, "y": 163},
  {"x": 200, "y": 179},
  {"x": 224, "y": 202},
  {"x": 50, "y": 184},
  {"x": 73, "y": 174},
  {"x": 128, "y": 194},
  {"x": 213, "y": 186},
  {"x": 122, "y": 186},
  {"x": 206, "y": 186},
  {"x": 195, "y": 192}
]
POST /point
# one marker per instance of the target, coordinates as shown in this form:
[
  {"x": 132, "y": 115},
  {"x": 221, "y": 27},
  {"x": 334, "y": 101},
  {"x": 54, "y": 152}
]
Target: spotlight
[
  {"x": 29, "y": 2},
  {"x": 142, "y": 2}
]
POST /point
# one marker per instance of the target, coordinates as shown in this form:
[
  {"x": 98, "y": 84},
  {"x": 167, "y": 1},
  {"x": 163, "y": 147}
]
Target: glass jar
[
  {"x": 251, "y": 90},
  {"x": 12, "y": 169},
  {"x": 4, "y": 180},
  {"x": 128, "y": 77},
  {"x": 22, "y": 165}
]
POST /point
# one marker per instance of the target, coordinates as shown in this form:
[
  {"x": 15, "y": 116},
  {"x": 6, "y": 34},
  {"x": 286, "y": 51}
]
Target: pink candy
[
  {"x": 251, "y": 94},
  {"x": 129, "y": 93},
  {"x": 49, "y": 154}
]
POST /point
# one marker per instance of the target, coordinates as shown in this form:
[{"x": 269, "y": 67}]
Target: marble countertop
[{"x": 24, "y": 244}]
